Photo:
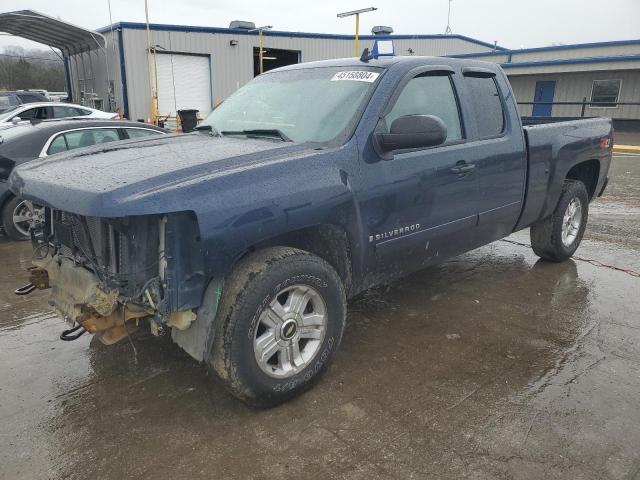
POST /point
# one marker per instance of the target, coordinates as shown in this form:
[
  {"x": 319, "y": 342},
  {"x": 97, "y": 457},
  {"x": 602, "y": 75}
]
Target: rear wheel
[
  {"x": 280, "y": 322},
  {"x": 558, "y": 236}
]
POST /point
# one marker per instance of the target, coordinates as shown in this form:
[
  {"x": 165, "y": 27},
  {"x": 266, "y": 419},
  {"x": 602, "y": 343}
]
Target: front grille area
[
  {"x": 122, "y": 252},
  {"x": 85, "y": 236}
]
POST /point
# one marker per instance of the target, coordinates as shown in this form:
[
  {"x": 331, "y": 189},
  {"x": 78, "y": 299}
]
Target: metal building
[
  {"x": 118, "y": 67},
  {"x": 591, "y": 79},
  {"x": 197, "y": 67}
]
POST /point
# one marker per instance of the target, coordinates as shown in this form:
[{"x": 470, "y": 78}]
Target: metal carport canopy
[{"x": 41, "y": 28}]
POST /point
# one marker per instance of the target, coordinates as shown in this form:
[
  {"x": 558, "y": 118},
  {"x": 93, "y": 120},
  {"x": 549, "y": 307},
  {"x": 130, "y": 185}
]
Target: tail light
[{"x": 605, "y": 142}]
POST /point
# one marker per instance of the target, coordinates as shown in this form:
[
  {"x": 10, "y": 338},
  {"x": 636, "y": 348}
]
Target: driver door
[{"x": 417, "y": 208}]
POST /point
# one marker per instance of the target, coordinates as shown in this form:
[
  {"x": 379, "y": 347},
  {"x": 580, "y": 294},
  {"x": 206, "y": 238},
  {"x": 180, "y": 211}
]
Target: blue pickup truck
[{"x": 308, "y": 185}]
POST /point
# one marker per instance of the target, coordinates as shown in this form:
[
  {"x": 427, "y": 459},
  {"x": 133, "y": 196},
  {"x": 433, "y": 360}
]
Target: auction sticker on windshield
[{"x": 357, "y": 75}]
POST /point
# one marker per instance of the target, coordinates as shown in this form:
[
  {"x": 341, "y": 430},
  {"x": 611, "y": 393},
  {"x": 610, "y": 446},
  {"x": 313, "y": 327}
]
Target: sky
[{"x": 512, "y": 23}]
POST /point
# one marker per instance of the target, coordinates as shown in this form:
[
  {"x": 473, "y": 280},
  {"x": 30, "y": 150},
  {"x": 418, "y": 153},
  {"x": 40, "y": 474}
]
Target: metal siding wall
[
  {"x": 232, "y": 67},
  {"x": 98, "y": 77},
  {"x": 576, "y": 67},
  {"x": 573, "y": 87}
]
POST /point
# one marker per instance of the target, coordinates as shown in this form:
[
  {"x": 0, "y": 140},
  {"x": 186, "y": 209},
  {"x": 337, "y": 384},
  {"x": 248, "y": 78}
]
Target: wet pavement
[{"x": 492, "y": 365}]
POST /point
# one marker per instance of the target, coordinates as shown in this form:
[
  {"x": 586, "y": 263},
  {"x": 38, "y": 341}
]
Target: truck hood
[{"x": 130, "y": 178}]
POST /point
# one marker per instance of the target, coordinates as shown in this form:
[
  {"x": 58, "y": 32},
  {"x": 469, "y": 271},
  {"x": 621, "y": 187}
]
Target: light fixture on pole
[
  {"x": 357, "y": 14},
  {"x": 260, "y": 51}
]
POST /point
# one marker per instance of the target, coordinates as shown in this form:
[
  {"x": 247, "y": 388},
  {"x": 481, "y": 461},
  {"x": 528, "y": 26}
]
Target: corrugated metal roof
[
  {"x": 281, "y": 33},
  {"x": 41, "y": 28}
]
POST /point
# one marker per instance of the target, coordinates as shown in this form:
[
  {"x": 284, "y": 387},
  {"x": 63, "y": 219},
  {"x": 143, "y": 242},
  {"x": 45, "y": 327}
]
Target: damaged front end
[{"x": 107, "y": 274}]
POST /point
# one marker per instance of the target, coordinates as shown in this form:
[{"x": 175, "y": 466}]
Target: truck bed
[{"x": 552, "y": 150}]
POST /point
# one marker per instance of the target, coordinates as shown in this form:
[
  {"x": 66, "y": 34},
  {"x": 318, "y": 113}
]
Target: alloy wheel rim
[
  {"x": 290, "y": 331},
  {"x": 25, "y": 215},
  {"x": 571, "y": 222}
]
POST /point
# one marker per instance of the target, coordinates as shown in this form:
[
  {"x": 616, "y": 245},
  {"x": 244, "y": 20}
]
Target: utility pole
[
  {"x": 447, "y": 31},
  {"x": 261, "y": 51},
  {"x": 357, "y": 15},
  {"x": 152, "y": 87}
]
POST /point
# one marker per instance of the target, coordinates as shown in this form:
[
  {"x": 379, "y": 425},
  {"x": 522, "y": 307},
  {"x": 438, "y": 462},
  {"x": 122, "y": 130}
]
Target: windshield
[{"x": 304, "y": 105}]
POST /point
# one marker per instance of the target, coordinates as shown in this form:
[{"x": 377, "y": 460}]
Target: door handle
[{"x": 462, "y": 167}]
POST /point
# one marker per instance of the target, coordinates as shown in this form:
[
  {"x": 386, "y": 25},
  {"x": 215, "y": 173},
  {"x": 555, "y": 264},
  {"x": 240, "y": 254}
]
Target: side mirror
[
  {"x": 16, "y": 120},
  {"x": 413, "y": 131}
]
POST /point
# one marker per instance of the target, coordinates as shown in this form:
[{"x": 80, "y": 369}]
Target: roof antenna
[
  {"x": 366, "y": 56},
  {"x": 447, "y": 31}
]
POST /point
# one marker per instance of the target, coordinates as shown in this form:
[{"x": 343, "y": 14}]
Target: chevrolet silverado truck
[{"x": 308, "y": 185}]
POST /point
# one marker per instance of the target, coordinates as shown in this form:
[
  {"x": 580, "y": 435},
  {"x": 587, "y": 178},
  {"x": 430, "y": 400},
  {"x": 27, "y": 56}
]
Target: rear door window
[
  {"x": 64, "y": 112},
  {"x": 58, "y": 145},
  {"x": 88, "y": 137},
  {"x": 429, "y": 95},
  {"x": 141, "y": 132},
  {"x": 487, "y": 105}
]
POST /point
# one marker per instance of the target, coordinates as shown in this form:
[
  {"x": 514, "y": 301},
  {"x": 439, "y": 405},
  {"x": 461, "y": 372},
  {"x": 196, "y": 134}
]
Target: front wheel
[
  {"x": 556, "y": 238},
  {"x": 19, "y": 216},
  {"x": 279, "y": 325}
]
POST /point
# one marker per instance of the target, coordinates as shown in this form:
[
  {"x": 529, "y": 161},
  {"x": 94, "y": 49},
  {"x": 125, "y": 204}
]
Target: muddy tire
[
  {"x": 280, "y": 322},
  {"x": 557, "y": 237},
  {"x": 10, "y": 229}
]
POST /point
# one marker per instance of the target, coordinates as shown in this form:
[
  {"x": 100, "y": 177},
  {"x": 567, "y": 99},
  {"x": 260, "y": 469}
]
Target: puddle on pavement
[{"x": 493, "y": 364}]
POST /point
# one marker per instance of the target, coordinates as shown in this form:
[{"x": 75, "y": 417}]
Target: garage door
[{"x": 184, "y": 82}]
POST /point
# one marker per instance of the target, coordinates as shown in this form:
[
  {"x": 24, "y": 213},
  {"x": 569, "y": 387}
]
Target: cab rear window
[{"x": 487, "y": 105}]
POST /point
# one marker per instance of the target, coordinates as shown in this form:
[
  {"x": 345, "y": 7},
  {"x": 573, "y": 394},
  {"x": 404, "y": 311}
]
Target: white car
[{"x": 47, "y": 110}]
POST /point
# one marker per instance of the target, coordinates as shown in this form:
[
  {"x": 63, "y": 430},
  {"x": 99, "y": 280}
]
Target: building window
[{"x": 605, "y": 93}]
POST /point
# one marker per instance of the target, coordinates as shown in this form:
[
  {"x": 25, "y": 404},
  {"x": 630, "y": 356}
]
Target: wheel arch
[
  {"x": 588, "y": 172},
  {"x": 5, "y": 197},
  {"x": 328, "y": 241}
]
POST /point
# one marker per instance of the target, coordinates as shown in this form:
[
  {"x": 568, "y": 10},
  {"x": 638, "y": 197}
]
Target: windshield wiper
[
  {"x": 208, "y": 128},
  {"x": 259, "y": 132}
]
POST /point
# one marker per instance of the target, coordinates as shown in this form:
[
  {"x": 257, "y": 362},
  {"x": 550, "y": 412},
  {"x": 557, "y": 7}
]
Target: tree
[{"x": 22, "y": 69}]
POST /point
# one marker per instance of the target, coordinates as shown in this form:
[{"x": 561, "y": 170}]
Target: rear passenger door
[{"x": 499, "y": 152}]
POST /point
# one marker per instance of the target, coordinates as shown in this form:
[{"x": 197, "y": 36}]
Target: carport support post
[{"x": 67, "y": 77}]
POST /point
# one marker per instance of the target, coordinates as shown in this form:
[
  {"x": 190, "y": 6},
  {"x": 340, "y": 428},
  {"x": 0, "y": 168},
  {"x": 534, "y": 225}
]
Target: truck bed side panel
[{"x": 552, "y": 150}]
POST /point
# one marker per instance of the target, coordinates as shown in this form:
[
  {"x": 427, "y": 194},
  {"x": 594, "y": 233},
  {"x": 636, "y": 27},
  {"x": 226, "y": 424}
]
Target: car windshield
[{"x": 302, "y": 105}]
